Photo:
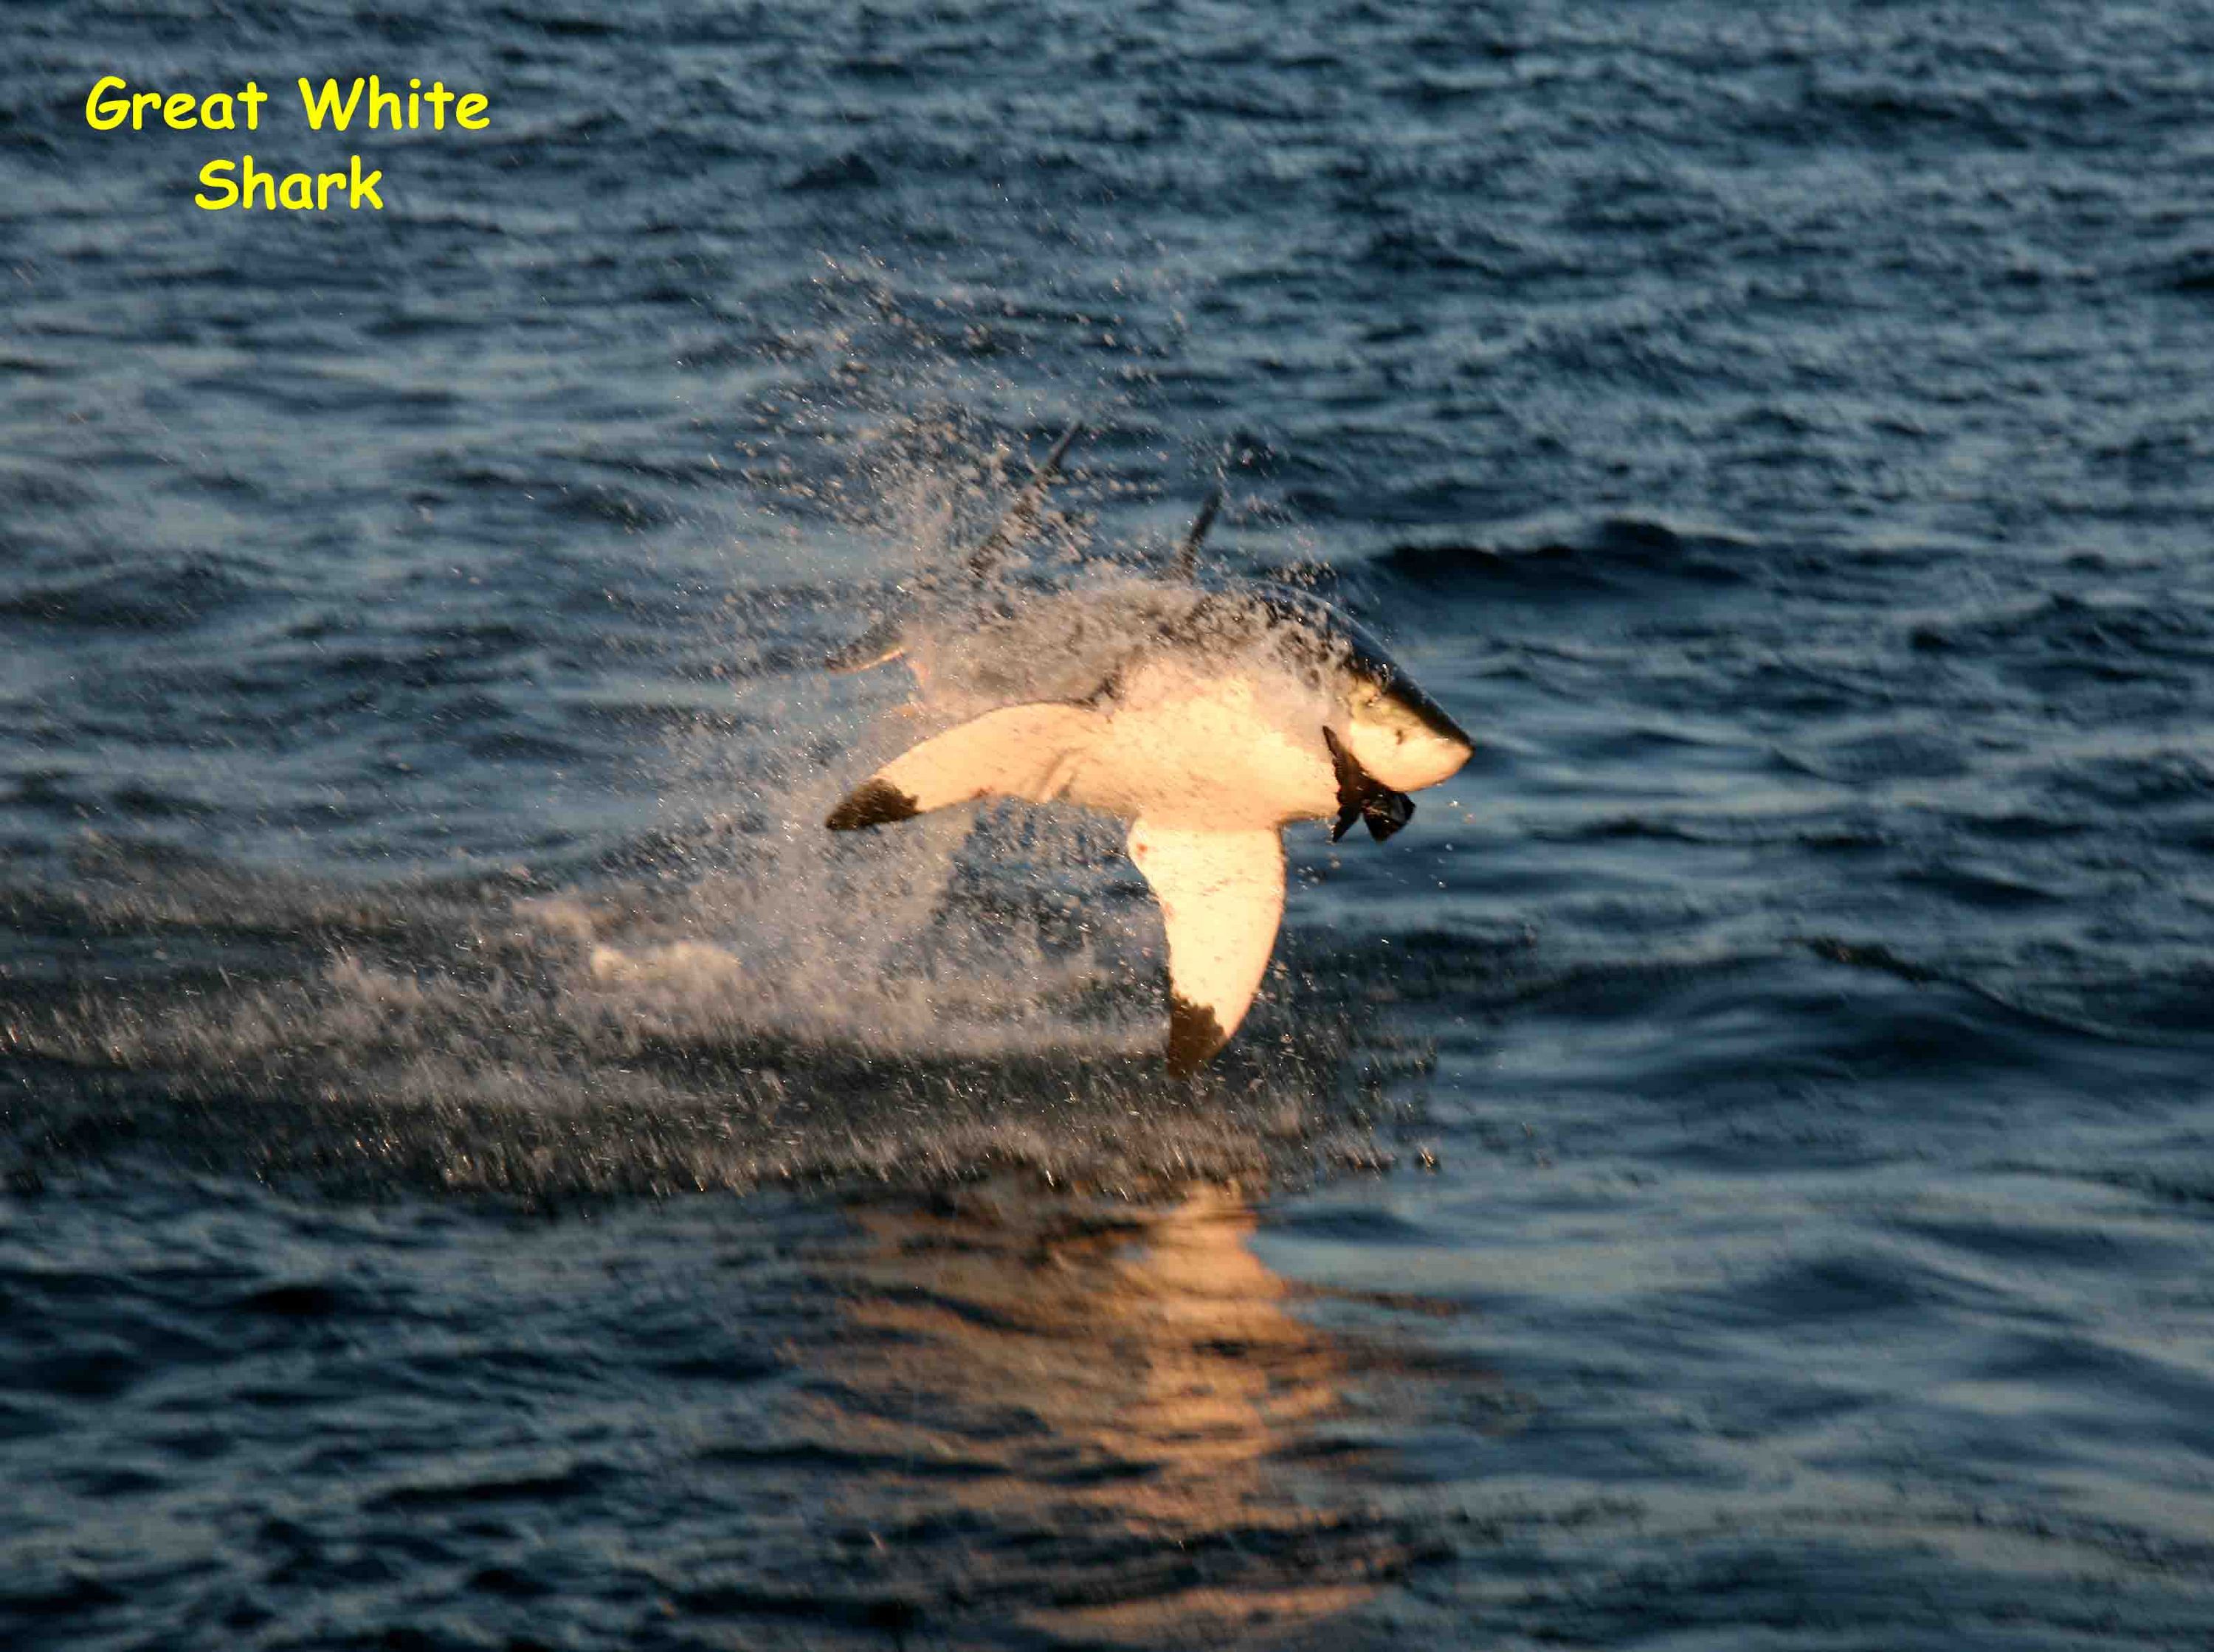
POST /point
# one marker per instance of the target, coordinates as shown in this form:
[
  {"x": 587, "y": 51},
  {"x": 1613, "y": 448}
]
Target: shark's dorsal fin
[
  {"x": 1022, "y": 516},
  {"x": 1361, "y": 796},
  {"x": 1187, "y": 562},
  {"x": 1221, "y": 895}
]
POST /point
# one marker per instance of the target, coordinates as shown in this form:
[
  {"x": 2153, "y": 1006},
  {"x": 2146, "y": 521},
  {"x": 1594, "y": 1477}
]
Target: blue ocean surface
[{"x": 481, "y": 1168}]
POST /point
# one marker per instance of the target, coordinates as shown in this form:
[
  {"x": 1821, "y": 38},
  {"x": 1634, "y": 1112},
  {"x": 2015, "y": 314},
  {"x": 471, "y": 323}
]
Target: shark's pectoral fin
[
  {"x": 1222, "y": 896},
  {"x": 1018, "y": 751},
  {"x": 1361, "y": 796}
]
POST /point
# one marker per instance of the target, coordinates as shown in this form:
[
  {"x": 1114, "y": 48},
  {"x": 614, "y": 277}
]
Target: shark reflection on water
[{"x": 1089, "y": 1420}]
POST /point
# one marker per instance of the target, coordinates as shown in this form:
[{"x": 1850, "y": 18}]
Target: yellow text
[
  {"x": 390, "y": 109},
  {"x": 179, "y": 111},
  {"x": 295, "y": 191}
]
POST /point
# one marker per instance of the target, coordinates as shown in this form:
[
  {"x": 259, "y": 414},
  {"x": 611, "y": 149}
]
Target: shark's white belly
[{"x": 1232, "y": 752}]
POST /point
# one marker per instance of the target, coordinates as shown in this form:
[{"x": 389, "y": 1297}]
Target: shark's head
[
  {"x": 1395, "y": 732},
  {"x": 1400, "y": 735}
]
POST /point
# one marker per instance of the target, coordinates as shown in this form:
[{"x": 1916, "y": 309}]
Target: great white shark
[{"x": 1209, "y": 714}]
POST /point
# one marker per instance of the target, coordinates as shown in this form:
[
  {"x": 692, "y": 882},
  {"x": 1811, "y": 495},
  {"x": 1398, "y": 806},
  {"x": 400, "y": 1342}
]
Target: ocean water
[{"x": 479, "y": 1166}]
